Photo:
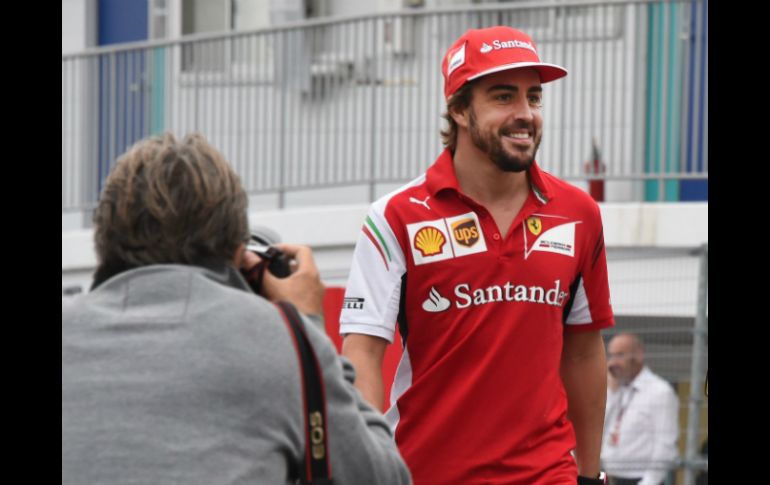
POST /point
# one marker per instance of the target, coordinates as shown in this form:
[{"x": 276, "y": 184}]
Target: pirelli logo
[
  {"x": 353, "y": 303},
  {"x": 447, "y": 238}
]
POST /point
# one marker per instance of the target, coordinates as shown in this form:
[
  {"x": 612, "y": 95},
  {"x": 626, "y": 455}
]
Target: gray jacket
[{"x": 178, "y": 374}]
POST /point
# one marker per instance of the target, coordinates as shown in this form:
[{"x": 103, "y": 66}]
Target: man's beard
[{"x": 492, "y": 145}]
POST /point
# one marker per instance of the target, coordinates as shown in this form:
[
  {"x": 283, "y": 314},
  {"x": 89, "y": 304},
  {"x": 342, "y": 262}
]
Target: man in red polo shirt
[{"x": 496, "y": 274}]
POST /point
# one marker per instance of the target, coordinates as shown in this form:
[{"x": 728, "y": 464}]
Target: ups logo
[{"x": 466, "y": 232}]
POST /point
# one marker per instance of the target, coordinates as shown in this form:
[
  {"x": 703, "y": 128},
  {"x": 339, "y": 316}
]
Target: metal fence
[
  {"x": 359, "y": 100},
  {"x": 661, "y": 295}
]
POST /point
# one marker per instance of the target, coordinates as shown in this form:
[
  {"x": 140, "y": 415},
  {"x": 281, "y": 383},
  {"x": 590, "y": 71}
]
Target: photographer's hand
[{"x": 303, "y": 288}]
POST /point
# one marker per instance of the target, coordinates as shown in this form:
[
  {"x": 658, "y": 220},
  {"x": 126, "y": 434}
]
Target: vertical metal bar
[
  {"x": 422, "y": 59},
  {"x": 431, "y": 110},
  {"x": 214, "y": 83},
  {"x": 395, "y": 92},
  {"x": 611, "y": 158},
  {"x": 207, "y": 91},
  {"x": 138, "y": 113},
  {"x": 671, "y": 81},
  {"x": 256, "y": 150},
  {"x": 197, "y": 50},
  {"x": 120, "y": 113},
  {"x": 148, "y": 88},
  {"x": 704, "y": 79},
  {"x": 257, "y": 147},
  {"x": 626, "y": 168},
  {"x": 698, "y": 368},
  {"x": 282, "y": 147},
  {"x": 373, "y": 160},
  {"x": 640, "y": 140},
  {"x": 559, "y": 168},
  {"x": 128, "y": 99},
  {"x": 78, "y": 135},
  {"x": 592, "y": 46},
  {"x": 661, "y": 118},
  {"x": 312, "y": 118},
  {"x": 337, "y": 126},
  {"x": 586, "y": 109},
  {"x": 72, "y": 103},
  {"x": 91, "y": 129},
  {"x": 66, "y": 191},
  {"x": 135, "y": 98},
  {"x": 319, "y": 125},
  {"x": 239, "y": 78},
  {"x": 112, "y": 129},
  {"x": 296, "y": 136},
  {"x": 605, "y": 134},
  {"x": 68, "y": 165},
  {"x": 683, "y": 37},
  {"x": 574, "y": 95},
  {"x": 405, "y": 99},
  {"x": 274, "y": 126},
  {"x": 169, "y": 68},
  {"x": 182, "y": 103},
  {"x": 345, "y": 135},
  {"x": 371, "y": 175},
  {"x": 228, "y": 88},
  {"x": 364, "y": 107},
  {"x": 324, "y": 98},
  {"x": 251, "y": 131},
  {"x": 351, "y": 93},
  {"x": 147, "y": 58},
  {"x": 346, "y": 127},
  {"x": 354, "y": 54},
  {"x": 289, "y": 90},
  {"x": 406, "y": 82}
]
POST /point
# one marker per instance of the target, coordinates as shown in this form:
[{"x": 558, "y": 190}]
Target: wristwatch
[{"x": 599, "y": 480}]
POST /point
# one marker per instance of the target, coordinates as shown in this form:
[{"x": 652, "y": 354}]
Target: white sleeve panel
[
  {"x": 579, "y": 313},
  {"x": 373, "y": 292}
]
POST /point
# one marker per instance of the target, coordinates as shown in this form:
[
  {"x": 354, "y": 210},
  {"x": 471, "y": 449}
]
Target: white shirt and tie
[{"x": 641, "y": 427}]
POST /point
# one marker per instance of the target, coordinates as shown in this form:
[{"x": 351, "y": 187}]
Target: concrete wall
[{"x": 651, "y": 272}]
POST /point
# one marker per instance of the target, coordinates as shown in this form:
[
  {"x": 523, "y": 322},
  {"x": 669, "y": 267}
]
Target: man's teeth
[{"x": 522, "y": 136}]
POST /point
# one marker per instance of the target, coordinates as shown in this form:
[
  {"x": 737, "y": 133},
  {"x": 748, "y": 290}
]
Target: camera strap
[
  {"x": 317, "y": 467},
  {"x": 255, "y": 275}
]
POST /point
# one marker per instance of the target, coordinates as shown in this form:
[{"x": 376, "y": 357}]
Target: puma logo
[{"x": 421, "y": 202}]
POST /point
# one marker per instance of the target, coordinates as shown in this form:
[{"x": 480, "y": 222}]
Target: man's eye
[
  {"x": 503, "y": 97},
  {"x": 535, "y": 100}
]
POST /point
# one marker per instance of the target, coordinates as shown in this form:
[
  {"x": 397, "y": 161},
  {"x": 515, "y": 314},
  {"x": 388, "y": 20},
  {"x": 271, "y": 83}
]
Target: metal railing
[
  {"x": 661, "y": 295},
  {"x": 359, "y": 100}
]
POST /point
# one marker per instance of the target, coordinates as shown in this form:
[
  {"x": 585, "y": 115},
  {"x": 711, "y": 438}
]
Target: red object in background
[
  {"x": 332, "y": 308},
  {"x": 595, "y": 167}
]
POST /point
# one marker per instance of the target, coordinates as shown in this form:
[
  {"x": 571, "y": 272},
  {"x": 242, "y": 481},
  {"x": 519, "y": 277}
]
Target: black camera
[{"x": 276, "y": 260}]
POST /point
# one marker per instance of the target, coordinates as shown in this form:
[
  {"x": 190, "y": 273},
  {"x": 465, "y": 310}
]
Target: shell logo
[{"x": 429, "y": 241}]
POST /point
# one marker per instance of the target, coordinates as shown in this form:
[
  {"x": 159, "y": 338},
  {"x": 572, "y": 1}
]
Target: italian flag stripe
[
  {"x": 379, "y": 250},
  {"x": 370, "y": 223}
]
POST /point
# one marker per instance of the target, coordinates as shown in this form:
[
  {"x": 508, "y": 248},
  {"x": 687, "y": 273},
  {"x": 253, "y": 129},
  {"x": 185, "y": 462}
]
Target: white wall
[
  {"x": 641, "y": 281},
  {"x": 78, "y": 25}
]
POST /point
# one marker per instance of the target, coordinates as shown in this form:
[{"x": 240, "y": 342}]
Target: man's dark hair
[
  {"x": 169, "y": 202},
  {"x": 459, "y": 101}
]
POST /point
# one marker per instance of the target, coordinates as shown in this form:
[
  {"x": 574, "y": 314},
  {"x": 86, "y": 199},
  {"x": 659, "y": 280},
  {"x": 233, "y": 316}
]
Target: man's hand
[{"x": 303, "y": 288}]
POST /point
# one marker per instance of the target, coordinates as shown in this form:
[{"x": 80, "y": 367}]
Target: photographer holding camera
[{"x": 173, "y": 371}]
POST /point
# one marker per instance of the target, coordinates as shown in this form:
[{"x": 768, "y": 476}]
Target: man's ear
[{"x": 460, "y": 116}]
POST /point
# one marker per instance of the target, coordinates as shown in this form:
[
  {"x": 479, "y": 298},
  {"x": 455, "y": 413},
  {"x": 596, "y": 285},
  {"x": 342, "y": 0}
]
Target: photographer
[{"x": 173, "y": 371}]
